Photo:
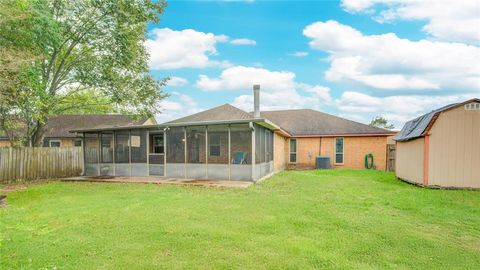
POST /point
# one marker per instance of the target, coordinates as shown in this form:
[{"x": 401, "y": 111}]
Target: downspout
[{"x": 252, "y": 128}]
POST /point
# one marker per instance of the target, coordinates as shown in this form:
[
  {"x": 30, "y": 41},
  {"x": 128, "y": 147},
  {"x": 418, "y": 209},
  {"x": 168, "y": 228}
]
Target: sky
[{"x": 353, "y": 58}]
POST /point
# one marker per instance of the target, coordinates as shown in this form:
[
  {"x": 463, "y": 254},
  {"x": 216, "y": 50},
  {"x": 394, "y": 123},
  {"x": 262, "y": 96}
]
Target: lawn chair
[{"x": 238, "y": 158}]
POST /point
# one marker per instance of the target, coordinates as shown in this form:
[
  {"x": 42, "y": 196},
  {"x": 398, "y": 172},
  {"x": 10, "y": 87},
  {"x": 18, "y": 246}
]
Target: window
[
  {"x": 157, "y": 144},
  {"x": 339, "y": 150},
  {"x": 55, "y": 143},
  {"x": 293, "y": 150},
  {"x": 78, "y": 143},
  {"x": 472, "y": 106},
  {"x": 214, "y": 145}
]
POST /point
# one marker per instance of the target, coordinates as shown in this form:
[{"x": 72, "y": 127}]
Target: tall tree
[
  {"x": 79, "y": 46},
  {"x": 381, "y": 122}
]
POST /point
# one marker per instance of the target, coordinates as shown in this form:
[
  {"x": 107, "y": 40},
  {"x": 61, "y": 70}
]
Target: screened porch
[{"x": 219, "y": 152}]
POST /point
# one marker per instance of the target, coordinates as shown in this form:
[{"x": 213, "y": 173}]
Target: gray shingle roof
[
  {"x": 295, "y": 122},
  {"x": 220, "y": 113},
  {"x": 311, "y": 122},
  {"x": 60, "y": 126}
]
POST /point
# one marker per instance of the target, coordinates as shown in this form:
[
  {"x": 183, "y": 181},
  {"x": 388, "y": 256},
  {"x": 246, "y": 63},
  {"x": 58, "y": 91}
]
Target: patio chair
[{"x": 238, "y": 158}]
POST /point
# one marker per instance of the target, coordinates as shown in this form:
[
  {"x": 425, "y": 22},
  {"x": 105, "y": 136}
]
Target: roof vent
[
  {"x": 472, "y": 106},
  {"x": 256, "y": 101}
]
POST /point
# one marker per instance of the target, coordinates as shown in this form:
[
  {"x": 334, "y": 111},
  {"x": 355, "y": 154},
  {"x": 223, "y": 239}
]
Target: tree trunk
[{"x": 38, "y": 135}]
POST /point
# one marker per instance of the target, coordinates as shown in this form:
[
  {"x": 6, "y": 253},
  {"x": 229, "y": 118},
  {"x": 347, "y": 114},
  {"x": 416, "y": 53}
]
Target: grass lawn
[{"x": 340, "y": 219}]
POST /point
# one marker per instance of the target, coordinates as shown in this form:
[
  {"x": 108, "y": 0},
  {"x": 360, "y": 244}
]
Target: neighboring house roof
[
  {"x": 221, "y": 113},
  {"x": 419, "y": 126},
  {"x": 61, "y": 125},
  {"x": 303, "y": 122},
  {"x": 307, "y": 122}
]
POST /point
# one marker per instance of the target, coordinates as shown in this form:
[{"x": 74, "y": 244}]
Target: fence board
[{"x": 30, "y": 163}]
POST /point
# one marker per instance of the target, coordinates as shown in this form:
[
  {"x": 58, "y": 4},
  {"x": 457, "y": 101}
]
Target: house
[
  {"x": 58, "y": 127},
  {"x": 228, "y": 143},
  {"x": 442, "y": 148}
]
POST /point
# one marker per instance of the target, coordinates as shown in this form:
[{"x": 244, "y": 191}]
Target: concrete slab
[{"x": 161, "y": 181}]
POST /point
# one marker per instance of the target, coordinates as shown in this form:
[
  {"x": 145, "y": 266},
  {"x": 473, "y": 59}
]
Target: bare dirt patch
[
  {"x": 3, "y": 200},
  {"x": 11, "y": 188}
]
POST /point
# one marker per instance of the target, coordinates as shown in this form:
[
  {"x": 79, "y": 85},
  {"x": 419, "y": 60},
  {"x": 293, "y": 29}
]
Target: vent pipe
[{"x": 256, "y": 101}]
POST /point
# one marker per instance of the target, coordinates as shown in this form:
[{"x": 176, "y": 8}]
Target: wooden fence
[{"x": 40, "y": 163}]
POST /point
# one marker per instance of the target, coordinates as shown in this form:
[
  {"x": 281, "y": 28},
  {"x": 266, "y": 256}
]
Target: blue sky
[{"x": 355, "y": 59}]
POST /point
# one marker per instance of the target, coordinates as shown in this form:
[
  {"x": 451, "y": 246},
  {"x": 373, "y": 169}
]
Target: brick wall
[
  {"x": 355, "y": 149},
  {"x": 280, "y": 149}
]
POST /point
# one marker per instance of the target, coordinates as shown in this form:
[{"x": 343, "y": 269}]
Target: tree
[
  {"x": 84, "y": 48},
  {"x": 381, "y": 122}
]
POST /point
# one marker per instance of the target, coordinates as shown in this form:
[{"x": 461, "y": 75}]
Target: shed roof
[{"x": 419, "y": 126}]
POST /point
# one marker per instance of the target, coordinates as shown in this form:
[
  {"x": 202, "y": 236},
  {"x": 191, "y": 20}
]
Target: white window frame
[
  {"x": 290, "y": 151},
  {"x": 335, "y": 151},
  {"x": 210, "y": 144},
  {"x": 50, "y": 143}
]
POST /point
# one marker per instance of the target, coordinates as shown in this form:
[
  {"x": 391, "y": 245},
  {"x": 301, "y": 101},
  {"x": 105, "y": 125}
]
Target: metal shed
[{"x": 442, "y": 148}]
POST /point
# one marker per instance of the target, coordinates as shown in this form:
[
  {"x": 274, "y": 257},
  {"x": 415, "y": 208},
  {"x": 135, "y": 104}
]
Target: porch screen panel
[
  {"x": 122, "y": 153},
  {"x": 138, "y": 140},
  {"x": 269, "y": 150},
  {"x": 176, "y": 152},
  {"x": 217, "y": 152},
  {"x": 91, "y": 154},
  {"x": 270, "y": 146},
  {"x": 138, "y": 148},
  {"x": 106, "y": 158},
  {"x": 241, "y": 152},
  {"x": 121, "y": 147},
  {"x": 259, "y": 144},
  {"x": 196, "y": 150}
]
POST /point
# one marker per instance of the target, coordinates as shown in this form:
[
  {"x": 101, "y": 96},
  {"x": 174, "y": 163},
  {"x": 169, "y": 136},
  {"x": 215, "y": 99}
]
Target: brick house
[{"x": 227, "y": 143}]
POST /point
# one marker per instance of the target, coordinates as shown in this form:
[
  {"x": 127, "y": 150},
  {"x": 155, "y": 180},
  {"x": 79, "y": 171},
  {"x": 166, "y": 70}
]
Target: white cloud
[
  {"x": 299, "y": 54},
  {"x": 171, "y": 49},
  {"x": 279, "y": 89},
  {"x": 397, "y": 109},
  {"x": 177, "y": 105},
  {"x": 243, "y": 41},
  {"x": 177, "y": 81},
  {"x": 241, "y": 77},
  {"x": 389, "y": 62},
  {"x": 457, "y": 21}
]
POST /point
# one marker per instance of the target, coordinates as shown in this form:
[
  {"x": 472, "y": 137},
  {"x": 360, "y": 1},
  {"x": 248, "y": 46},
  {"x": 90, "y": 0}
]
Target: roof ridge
[
  {"x": 225, "y": 106},
  {"x": 331, "y": 115}
]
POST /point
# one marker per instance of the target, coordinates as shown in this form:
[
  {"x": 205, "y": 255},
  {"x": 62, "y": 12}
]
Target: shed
[{"x": 441, "y": 148}]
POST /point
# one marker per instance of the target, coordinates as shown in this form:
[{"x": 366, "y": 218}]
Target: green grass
[{"x": 341, "y": 219}]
